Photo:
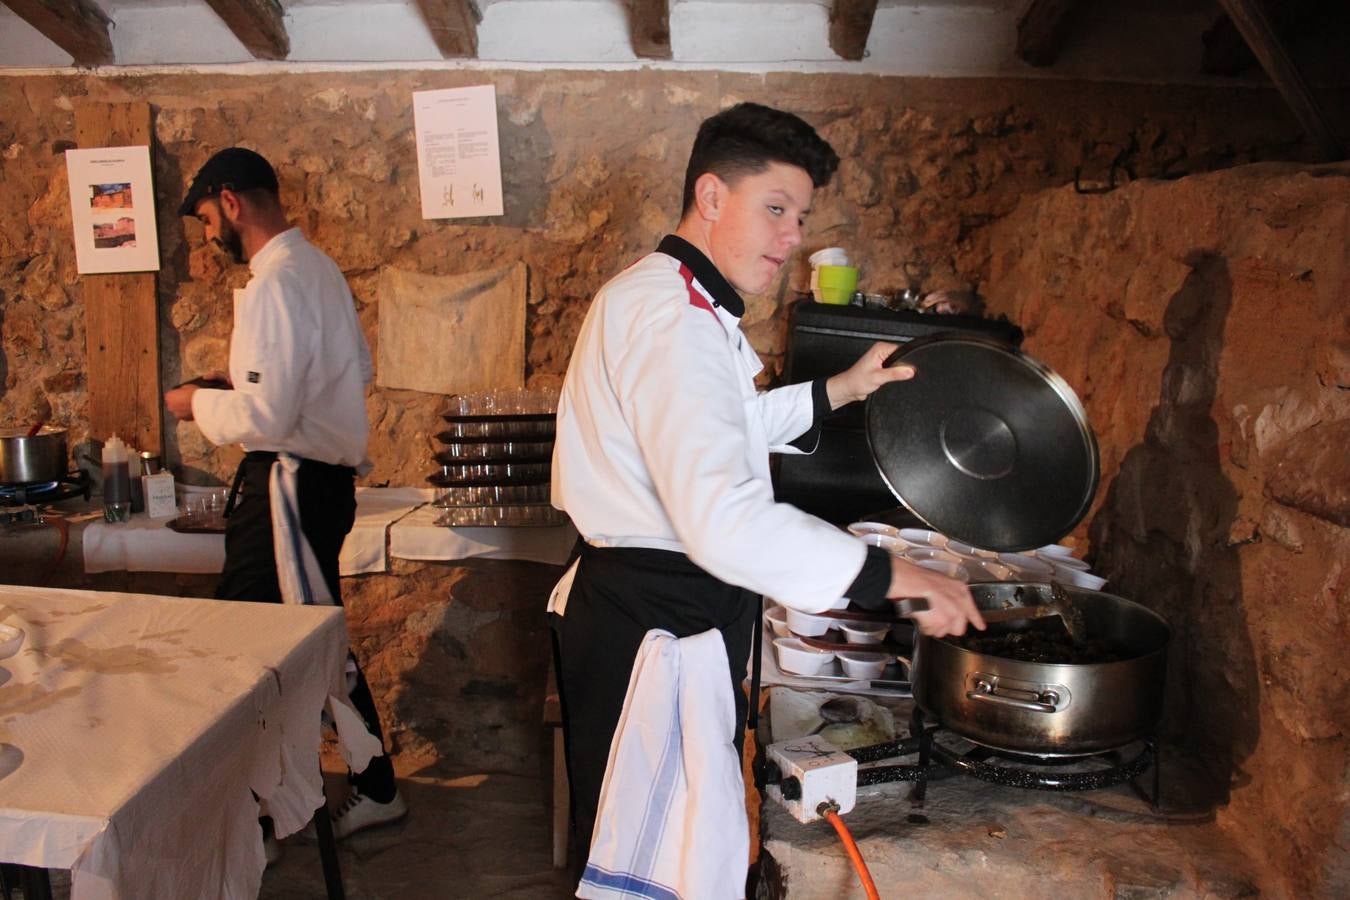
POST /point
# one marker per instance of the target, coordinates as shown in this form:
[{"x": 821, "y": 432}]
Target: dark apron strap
[{"x": 756, "y": 652}]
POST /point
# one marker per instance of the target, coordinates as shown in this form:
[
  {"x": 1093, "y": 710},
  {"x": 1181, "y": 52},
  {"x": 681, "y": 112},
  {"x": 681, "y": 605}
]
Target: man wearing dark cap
[{"x": 295, "y": 399}]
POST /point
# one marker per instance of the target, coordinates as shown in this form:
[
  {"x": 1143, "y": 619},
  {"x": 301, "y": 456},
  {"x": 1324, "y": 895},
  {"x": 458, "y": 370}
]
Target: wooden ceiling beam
[
  {"x": 1042, "y": 31},
  {"x": 850, "y": 26},
  {"x": 453, "y": 25},
  {"x": 1256, "y": 29},
  {"x": 76, "y": 26},
  {"x": 258, "y": 25},
  {"x": 650, "y": 23}
]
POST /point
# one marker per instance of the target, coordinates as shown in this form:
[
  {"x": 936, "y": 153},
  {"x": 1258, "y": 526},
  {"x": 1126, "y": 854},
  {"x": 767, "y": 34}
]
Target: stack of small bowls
[{"x": 964, "y": 562}]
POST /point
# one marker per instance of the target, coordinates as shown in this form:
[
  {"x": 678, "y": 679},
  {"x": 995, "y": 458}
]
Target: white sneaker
[{"x": 358, "y": 812}]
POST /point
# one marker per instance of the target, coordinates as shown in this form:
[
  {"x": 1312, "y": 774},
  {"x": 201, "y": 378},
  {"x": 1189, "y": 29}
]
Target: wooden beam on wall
[
  {"x": 650, "y": 24},
  {"x": 258, "y": 25},
  {"x": 453, "y": 25},
  {"x": 1043, "y": 30},
  {"x": 850, "y": 26},
  {"x": 121, "y": 320},
  {"x": 1256, "y": 29},
  {"x": 76, "y": 26}
]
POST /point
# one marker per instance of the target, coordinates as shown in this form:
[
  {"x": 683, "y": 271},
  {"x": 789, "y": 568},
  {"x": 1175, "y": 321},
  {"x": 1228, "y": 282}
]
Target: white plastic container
[
  {"x": 864, "y": 632},
  {"x": 799, "y": 659},
  {"x": 861, "y": 664},
  {"x": 808, "y": 624}
]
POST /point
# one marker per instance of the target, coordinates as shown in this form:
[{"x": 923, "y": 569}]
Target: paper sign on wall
[
  {"x": 112, "y": 206},
  {"x": 459, "y": 162}
]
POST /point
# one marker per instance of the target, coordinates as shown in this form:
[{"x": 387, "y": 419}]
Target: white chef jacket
[
  {"x": 298, "y": 359},
  {"x": 663, "y": 441}
]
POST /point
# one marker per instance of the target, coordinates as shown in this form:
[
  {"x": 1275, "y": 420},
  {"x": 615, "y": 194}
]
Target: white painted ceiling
[{"x": 1140, "y": 40}]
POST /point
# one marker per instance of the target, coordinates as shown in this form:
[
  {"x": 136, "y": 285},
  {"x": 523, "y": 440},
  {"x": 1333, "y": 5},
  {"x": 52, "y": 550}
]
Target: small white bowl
[
  {"x": 891, "y": 544},
  {"x": 950, "y": 569},
  {"x": 858, "y": 529},
  {"x": 933, "y": 554},
  {"x": 970, "y": 551},
  {"x": 864, "y": 632},
  {"x": 1032, "y": 569},
  {"x": 777, "y": 619},
  {"x": 11, "y": 639},
  {"x": 799, "y": 659},
  {"x": 924, "y": 537},
  {"x": 808, "y": 624},
  {"x": 862, "y": 664},
  {"x": 1067, "y": 562},
  {"x": 1079, "y": 579},
  {"x": 985, "y": 570}
]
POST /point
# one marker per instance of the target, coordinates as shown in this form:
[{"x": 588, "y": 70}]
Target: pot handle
[{"x": 1047, "y": 699}]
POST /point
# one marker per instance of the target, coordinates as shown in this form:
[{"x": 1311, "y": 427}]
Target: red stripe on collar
[{"x": 696, "y": 298}]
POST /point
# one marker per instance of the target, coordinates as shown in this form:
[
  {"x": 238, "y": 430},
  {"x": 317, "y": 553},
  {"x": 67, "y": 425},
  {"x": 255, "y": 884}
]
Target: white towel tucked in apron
[
  {"x": 302, "y": 581},
  {"x": 672, "y": 821}
]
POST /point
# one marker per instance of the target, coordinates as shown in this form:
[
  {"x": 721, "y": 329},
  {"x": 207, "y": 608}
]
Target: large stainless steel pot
[
  {"x": 30, "y": 460},
  {"x": 1049, "y": 709}
]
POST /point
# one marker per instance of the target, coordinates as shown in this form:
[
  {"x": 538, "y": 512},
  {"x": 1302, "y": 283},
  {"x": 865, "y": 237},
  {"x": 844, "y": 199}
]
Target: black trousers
[
  {"x": 619, "y": 594},
  {"x": 326, "y": 496}
]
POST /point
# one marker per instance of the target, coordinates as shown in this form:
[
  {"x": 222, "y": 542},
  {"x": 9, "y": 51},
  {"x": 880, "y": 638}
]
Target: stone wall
[
  {"x": 1204, "y": 325},
  {"x": 593, "y": 170}
]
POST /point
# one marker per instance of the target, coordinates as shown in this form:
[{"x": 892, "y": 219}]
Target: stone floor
[{"x": 476, "y": 835}]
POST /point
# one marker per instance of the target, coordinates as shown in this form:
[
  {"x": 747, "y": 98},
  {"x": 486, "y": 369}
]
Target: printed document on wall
[
  {"x": 459, "y": 161},
  {"x": 112, "y": 207}
]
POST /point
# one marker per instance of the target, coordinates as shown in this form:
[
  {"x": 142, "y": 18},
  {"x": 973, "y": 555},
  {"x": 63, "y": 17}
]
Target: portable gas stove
[
  {"x": 800, "y": 772},
  {"x": 22, "y": 504}
]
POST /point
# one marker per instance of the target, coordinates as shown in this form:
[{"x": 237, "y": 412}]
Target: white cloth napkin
[
  {"x": 417, "y": 536},
  {"x": 148, "y": 545},
  {"x": 672, "y": 821}
]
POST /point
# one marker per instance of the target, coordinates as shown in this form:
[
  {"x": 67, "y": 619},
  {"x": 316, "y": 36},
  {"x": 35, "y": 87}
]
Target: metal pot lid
[{"x": 984, "y": 443}]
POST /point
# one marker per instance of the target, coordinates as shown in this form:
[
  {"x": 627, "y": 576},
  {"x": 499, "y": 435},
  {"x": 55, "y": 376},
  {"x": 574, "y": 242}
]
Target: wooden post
[{"x": 121, "y": 318}]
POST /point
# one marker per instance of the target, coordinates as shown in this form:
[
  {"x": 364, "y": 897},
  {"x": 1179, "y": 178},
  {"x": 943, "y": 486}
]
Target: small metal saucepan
[{"x": 34, "y": 459}]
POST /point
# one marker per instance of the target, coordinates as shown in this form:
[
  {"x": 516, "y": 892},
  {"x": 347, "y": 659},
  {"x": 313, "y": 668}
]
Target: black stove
[{"x": 943, "y": 753}]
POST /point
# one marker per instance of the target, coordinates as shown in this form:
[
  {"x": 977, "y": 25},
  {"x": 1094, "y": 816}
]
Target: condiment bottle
[{"x": 116, "y": 481}]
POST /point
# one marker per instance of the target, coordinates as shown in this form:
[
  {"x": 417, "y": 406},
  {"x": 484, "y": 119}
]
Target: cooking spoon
[
  {"x": 1060, "y": 605},
  {"x": 37, "y": 426}
]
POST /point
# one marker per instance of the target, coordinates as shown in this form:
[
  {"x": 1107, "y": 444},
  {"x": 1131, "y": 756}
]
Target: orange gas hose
[{"x": 854, "y": 854}]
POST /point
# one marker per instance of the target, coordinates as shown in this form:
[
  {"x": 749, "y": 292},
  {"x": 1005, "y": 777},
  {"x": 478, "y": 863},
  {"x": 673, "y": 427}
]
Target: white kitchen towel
[
  {"x": 672, "y": 821},
  {"x": 297, "y": 568},
  {"x": 557, "y": 598}
]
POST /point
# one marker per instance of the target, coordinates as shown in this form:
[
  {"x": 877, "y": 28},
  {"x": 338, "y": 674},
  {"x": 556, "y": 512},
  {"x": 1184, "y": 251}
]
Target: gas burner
[
  {"x": 76, "y": 484},
  {"x": 943, "y": 753}
]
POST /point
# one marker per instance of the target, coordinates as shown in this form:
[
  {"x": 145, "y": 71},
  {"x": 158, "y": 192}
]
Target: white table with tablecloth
[
  {"x": 398, "y": 522},
  {"x": 138, "y": 735}
]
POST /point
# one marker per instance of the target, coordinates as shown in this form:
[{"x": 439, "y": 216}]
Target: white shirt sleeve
[
  {"x": 784, "y": 414},
  {"x": 270, "y": 351},
  {"x": 683, "y": 395}
]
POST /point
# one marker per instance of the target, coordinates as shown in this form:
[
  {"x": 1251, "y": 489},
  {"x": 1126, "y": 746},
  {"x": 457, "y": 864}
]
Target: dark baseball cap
[{"x": 234, "y": 168}]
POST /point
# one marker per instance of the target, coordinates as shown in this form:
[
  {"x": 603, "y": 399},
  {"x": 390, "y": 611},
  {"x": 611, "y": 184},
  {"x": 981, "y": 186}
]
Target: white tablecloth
[
  {"x": 136, "y": 730},
  {"x": 417, "y": 536},
  {"x": 149, "y": 545}
]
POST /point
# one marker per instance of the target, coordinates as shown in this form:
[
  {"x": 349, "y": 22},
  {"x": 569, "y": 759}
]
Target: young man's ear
[{"x": 709, "y": 194}]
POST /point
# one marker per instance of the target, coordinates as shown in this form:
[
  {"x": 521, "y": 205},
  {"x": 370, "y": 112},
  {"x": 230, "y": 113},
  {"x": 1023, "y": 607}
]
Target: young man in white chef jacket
[
  {"x": 299, "y": 366},
  {"x": 662, "y": 450}
]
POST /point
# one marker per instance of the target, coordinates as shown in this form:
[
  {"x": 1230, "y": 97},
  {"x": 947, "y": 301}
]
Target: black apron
[{"x": 618, "y": 595}]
